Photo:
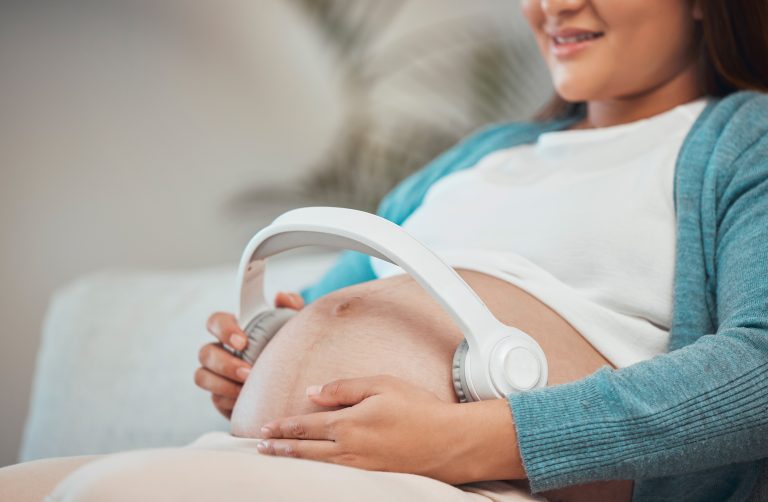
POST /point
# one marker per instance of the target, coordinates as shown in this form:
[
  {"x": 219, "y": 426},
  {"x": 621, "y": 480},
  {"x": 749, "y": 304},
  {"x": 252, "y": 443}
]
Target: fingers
[
  {"x": 224, "y": 404},
  {"x": 215, "y": 358},
  {"x": 324, "y": 451},
  {"x": 289, "y": 300},
  {"x": 223, "y": 326},
  {"x": 318, "y": 426},
  {"x": 222, "y": 372},
  {"x": 216, "y": 384},
  {"x": 349, "y": 391}
]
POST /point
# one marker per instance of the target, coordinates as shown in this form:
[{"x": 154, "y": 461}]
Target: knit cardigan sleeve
[{"x": 703, "y": 405}]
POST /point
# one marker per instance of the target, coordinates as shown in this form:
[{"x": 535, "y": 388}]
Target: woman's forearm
[{"x": 486, "y": 441}]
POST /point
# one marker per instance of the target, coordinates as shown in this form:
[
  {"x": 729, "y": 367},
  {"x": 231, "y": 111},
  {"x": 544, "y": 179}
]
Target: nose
[{"x": 555, "y": 8}]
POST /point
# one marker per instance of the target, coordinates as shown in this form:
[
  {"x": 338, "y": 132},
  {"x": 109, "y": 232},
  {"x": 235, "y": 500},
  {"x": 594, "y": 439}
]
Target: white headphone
[{"x": 493, "y": 360}]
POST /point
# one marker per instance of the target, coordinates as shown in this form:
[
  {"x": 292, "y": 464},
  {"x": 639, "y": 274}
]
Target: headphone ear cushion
[
  {"x": 458, "y": 371},
  {"x": 261, "y": 329}
]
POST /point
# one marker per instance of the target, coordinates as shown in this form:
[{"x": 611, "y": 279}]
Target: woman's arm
[
  {"x": 699, "y": 407},
  {"x": 392, "y": 425}
]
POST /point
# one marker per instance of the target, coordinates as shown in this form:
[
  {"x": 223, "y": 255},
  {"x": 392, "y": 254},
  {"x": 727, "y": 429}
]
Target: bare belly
[{"x": 392, "y": 326}]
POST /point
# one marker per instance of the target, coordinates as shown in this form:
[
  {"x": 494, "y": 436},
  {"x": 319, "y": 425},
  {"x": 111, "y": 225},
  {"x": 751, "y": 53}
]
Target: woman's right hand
[{"x": 222, "y": 374}]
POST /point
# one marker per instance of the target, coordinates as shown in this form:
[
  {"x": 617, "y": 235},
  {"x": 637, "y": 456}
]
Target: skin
[{"x": 643, "y": 65}]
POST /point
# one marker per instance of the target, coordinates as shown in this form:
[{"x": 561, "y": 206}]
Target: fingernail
[
  {"x": 266, "y": 432},
  {"x": 314, "y": 390},
  {"x": 262, "y": 446},
  {"x": 242, "y": 373},
  {"x": 238, "y": 341}
]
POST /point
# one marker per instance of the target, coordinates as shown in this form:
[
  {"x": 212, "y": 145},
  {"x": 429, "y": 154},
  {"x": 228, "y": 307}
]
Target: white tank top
[{"x": 583, "y": 220}]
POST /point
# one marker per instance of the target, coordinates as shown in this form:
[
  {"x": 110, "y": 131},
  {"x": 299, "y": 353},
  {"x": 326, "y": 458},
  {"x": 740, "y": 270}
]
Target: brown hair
[{"x": 732, "y": 52}]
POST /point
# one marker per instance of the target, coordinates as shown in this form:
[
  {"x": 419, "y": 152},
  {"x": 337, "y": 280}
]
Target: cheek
[
  {"x": 652, "y": 46},
  {"x": 532, "y": 11},
  {"x": 535, "y": 17}
]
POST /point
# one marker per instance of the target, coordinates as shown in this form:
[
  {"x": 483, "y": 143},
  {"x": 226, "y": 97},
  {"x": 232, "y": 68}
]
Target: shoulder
[
  {"x": 513, "y": 133},
  {"x": 729, "y": 141},
  {"x": 401, "y": 201},
  {"x": 743, "y": 105},
  {"x": 734, "y": 125},
  {"x": 735, "y": 183},
  {"x": 492, "y": 137}
]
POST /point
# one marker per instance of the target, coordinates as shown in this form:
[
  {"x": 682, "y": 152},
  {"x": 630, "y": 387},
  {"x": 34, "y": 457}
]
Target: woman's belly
[{"x": 392, "y": 326}]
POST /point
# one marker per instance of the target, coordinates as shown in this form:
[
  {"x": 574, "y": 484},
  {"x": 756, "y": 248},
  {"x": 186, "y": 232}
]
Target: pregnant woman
[{"x": 626, "y": 231}]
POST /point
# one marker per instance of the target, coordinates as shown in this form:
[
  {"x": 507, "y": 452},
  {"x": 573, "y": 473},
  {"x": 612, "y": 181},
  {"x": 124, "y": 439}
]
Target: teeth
[{"x": 576, "y": 38}]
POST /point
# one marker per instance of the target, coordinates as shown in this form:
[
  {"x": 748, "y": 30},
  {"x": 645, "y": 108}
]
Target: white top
[{"x": 583, "y": 220}]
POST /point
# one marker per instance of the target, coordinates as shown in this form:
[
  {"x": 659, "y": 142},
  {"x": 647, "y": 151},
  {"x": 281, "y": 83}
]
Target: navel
[{"x": 344, "y": 308}]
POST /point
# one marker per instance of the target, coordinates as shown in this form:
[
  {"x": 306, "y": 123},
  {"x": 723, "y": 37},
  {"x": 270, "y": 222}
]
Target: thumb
[
  {"x": 289, "y": 300},
  {"x": 345, "y": 392}
]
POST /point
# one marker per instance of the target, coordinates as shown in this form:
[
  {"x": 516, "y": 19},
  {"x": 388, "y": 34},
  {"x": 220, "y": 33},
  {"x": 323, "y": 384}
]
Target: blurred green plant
[{"x": 478, "y": 73}]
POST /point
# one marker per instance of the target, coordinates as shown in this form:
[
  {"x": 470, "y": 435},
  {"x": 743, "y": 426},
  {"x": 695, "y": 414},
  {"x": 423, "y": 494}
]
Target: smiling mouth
[{"x": 573, "y": 39}]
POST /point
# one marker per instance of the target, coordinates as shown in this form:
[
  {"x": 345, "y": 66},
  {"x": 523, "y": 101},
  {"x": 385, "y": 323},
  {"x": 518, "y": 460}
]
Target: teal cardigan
[{"x": 691, "y": 424}]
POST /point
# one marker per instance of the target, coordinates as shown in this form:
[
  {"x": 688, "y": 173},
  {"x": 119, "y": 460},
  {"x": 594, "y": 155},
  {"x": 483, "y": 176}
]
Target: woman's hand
[
  {"x": 391, "y": 425},
  {"x": 223, "y": 374}
]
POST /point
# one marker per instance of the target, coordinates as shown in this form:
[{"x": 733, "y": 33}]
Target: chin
[
  {"x": 572, "y": 94},
  {"x": 577, "y": 86}
]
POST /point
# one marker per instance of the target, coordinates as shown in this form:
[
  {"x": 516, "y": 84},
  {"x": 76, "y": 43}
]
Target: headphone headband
[{"x": 375, "y": 236}]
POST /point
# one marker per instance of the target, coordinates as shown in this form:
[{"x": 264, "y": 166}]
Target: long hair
[{"x": 732, "y": 52}]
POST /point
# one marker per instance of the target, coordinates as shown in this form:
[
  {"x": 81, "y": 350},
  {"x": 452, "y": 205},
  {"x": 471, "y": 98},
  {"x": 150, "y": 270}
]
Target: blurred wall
[{"x": 126, "y": 127}]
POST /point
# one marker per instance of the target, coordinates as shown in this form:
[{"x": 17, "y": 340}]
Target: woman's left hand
[{"x": 392, "y": 425}]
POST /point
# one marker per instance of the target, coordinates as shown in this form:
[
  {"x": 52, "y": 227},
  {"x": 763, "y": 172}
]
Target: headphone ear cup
[
  {"x": 261, "y": 329},
  {"x": 459, "y": 374}
]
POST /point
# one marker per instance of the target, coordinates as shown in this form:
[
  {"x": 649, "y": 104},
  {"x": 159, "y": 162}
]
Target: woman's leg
[
  {"x": 31, "y": 481},
  {"x": 221, "y": 467}
]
